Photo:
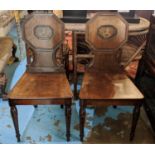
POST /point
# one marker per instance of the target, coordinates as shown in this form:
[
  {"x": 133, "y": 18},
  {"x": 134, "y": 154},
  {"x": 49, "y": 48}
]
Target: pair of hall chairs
[{"x": 45, "y": 80}]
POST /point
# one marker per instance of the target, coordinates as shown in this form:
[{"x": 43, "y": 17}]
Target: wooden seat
[
  {"x": 42, "y": 86},
  {"x": 105, "y": 82},
  {"x": 44, "y": 81},
  {"x": 108, "y": 86}
]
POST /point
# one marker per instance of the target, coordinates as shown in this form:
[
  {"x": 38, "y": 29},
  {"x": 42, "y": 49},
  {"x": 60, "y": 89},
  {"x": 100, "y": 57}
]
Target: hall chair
[
  {"x": 45, "y": 81},
  {"x": 105, "y": 82}
]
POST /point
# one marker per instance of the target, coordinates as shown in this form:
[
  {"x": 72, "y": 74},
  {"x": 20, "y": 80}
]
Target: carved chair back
[
  {"x": 43, "y": 35},
  {"x": 106, "y": 33}
]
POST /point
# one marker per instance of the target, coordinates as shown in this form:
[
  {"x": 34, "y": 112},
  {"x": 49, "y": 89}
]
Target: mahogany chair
[
  {"x": 44, "y": 81},
  {"x": 105, "y": 82}
]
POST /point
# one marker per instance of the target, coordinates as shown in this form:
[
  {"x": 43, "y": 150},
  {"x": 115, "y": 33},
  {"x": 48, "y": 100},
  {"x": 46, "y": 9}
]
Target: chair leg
[
  {"x": 67, "y": 66},
  {"x": 75, "y": 86},
  {"x": 35, "y": 106},
  {"x": 75, "y": 79},
  {"x": 82, "y": 119},
  {"x": 14, "y": 114},
  {"x": 68, "y": 120},
  {"x": 136, "y": 113},
  {"x": 75, "y": 91}
]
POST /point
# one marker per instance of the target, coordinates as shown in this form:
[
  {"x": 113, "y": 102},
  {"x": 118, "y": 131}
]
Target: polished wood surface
[
  {"x": 108, "y": 86},
  {"x": 106, "y": 62},
  {"x": 136, "y": 36},
  {"x": 44, "y": 81},
  {"x": 41, "y": 86},
  {"x": 103, "y": 36},
  {"x": 43, "y": 32},
  {"x": 44, "y": 35},
  {"x": 105, "y": 82}
]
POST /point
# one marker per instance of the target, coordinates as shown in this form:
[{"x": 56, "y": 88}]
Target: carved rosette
[
  {"x": 43, "y": 32},
  {"x": 106, "y": 32}
]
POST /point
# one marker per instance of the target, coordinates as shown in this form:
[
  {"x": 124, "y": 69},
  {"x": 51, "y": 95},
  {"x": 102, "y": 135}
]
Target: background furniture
[
  {"x": 6, "y": 22},
  {"x": 145, "y": 78},
  {"x": 45, "y": 81},
  {"x": 7, "y": 49},
  {"x": 105, "y": 82}
]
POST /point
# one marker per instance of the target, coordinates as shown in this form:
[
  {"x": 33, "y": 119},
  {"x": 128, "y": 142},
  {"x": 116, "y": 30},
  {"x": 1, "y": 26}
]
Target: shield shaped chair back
[
  {"x": 43, "y": 34},
  {"x": 106, "y": 33}
]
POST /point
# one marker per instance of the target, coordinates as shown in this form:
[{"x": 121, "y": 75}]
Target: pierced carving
[
  {"x": 107, "y": 32},
  {"x": 43, "y": 32}
]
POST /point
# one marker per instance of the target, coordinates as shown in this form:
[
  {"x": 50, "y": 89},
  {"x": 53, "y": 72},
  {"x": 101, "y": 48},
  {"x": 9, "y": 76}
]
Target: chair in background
[
  {"x": 44, "y": 81},
  {"x": 105, "y": 82},
  {"x": 7, "y": 51},
  {"x": 145, "y": 77},
  {"x": 7, "y": 48}
]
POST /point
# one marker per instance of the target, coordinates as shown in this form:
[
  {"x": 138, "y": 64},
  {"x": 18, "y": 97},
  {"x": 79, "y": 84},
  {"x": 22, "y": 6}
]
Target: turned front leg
[
  {"x": 14, "y": 114},
  {"x": 75, "y": 87},
  {"x": 68, "y": 120},
  {"x": 136, "y": 113},
  {"x": 61, "y": 106},
  {"x": 82, "y": 119}
]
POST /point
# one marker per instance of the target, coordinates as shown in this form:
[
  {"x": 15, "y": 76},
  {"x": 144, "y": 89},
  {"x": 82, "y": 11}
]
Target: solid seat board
[
  {"x": 41, "y": 86},
  {"x": 99, "y": 85}
]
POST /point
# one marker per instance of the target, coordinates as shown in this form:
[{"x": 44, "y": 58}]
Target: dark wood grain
[
  {"x": 41, "y": 86},
  {"x": 14, "y": 114},
  {"x": 43, "y": 34},
  {"x": 100, "y": 85},
  {"x": 44, "y": 81},
  {"x": 136, "y": 113},
  {"x": 105, "y": 82}
]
